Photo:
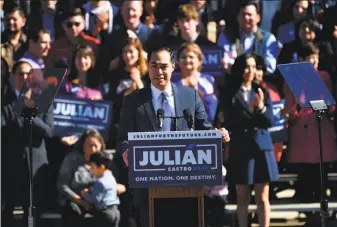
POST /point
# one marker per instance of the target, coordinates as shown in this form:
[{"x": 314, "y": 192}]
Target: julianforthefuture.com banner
[{"x": 169, "y": 159}]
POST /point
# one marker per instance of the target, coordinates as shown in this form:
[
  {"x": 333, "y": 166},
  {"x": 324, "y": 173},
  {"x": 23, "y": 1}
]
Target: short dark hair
[
  {"x": 101, "y": 158},
  {"x": 16, "y": 9},
  {"x": 78, "y": 11},
  {"x": 260, "y": 62},
  {"x": 36, "y": 35},
  {"x": 160, "y": 49},
  {"x": 307, "y": 49},
  {"x": 243, "y": 3}
]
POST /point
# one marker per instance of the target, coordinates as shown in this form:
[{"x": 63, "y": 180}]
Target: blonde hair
[
  {"x": 191, "y": 47},
  {"x": 187, "y": 11}
]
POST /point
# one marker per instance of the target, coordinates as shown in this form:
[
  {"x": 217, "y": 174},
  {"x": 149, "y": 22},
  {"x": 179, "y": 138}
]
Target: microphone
[
  {"x": 188, "y": 115},
  {"x": 160, "y": 118}
]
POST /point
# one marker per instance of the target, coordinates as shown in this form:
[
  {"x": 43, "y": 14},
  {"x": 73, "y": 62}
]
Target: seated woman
[
  {"x": 190, "y": 61},
  {"x": 75, "y": 175},
  {"x": 82, "y": 82}
]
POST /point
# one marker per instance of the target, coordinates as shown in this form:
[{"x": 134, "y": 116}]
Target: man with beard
[
  {"x": 15, "y": 20},
  {"x": 39, "y": 46}
]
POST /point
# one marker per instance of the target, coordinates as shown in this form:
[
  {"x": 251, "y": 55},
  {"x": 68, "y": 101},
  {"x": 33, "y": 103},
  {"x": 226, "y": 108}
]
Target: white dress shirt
[{"x": 156, "y": 98}]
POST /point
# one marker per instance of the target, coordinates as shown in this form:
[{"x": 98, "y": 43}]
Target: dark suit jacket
[
  {"x": 246, "y": 126},
  {"x": 15, "y": 137},
  {"x": 138, "y": 114}
]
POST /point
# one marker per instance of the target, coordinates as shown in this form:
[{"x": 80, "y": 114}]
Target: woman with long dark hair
[
  {"x": 75, "y": 175},
  {"x": 82, "y": 80},
  {"x": 251, "y": 160}
]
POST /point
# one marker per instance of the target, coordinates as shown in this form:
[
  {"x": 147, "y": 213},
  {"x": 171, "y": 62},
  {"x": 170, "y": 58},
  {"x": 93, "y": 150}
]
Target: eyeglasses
[{"x": 70, "y": 24}]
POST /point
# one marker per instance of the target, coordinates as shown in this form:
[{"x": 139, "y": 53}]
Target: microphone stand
[
  {"x": 28, "y": 114},
  {"x": 319, "y": 107}
]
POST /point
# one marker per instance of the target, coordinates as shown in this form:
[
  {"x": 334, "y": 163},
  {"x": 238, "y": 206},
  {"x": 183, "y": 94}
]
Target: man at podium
[{"x": 139, "y": 113}]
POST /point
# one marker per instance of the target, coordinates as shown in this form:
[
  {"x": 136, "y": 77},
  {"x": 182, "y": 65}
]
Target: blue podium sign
[{"x": 174, "y": 159}]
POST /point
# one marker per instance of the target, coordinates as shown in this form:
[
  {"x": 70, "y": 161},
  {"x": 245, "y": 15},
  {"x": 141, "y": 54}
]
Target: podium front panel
[{"x": 175, "y": 159}]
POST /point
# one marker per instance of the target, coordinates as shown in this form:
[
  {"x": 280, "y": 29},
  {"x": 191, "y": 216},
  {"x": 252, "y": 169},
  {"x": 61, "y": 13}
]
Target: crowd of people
[{"x": 108, "y": 49}]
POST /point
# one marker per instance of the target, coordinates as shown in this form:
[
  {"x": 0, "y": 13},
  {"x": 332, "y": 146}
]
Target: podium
[
  {"x": 178, "y": 192},
  {"x": 175, "y": 166}
]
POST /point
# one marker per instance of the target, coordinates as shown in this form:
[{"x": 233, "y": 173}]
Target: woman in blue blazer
[{"x": 248, "y": 115}]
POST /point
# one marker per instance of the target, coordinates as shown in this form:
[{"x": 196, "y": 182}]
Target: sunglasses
[{"x": 71, "y": 24}]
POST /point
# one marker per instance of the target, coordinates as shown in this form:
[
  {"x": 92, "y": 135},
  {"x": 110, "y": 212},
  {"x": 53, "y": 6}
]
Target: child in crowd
[{"x": 103, "y": 194}]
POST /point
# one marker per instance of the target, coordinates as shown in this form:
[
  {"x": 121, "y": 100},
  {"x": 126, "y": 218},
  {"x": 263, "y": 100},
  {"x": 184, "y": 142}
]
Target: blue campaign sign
[
  {"x": 212, "y": 57},
  {"x": 279, "y": 131},
  {"x": 212, "y": 63},
  {"x": 72, "y": 116},
  {"x": 172, "y": 159}
]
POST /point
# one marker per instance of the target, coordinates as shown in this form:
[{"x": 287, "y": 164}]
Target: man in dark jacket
[{"x": 15, "y": 150}]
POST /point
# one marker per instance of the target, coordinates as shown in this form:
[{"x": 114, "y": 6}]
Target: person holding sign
[
  {"x": 251, "y": 160},
  {"x": 303, "y": 144},
  {"x": 82, "y": 82},
  {"x": 190, "y": 62},
  {"x": 139, "y": 114}
]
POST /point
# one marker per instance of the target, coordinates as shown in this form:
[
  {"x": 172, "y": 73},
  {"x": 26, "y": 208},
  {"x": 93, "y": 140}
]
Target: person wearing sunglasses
[{"x": 73, "y": 25}]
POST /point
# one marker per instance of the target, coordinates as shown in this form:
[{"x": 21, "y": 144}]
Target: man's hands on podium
[
  {"x": 224, "y": 135},
  {"x": 126, "y": 157}
]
